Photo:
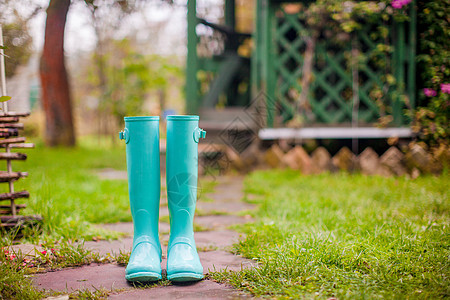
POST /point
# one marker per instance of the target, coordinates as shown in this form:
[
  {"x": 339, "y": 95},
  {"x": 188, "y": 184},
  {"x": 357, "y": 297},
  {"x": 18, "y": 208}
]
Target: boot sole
[
  {"x": 185, "y": 277},
  {"x": 143, "y": 277}
]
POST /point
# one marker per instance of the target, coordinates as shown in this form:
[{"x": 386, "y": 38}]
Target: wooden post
[
  {"x": 355, "y": 88},
  {"x": 5, "y": 110},
  {"x": 399, "y": 72},
  {"x": 230, "y": 14},
  {"x": 412, "y": 55},
  {"x": 192, "y": 85},
  {"x": 268, "y": 53},
  {"x": 255, "y": 71},
  {"x": 230, "y": 17},
  {"x": 230, "y": 21},
  {"x": 2, "y": 70}
]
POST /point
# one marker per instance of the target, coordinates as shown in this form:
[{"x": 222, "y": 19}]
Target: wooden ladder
[{"x": 9, "y": 139}]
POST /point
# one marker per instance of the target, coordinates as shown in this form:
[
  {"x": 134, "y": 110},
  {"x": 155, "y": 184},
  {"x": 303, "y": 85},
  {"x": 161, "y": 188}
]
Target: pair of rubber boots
[{"x": 141, "y": 135}]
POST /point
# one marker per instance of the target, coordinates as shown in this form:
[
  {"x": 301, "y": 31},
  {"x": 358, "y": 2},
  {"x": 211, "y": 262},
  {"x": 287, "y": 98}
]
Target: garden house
[{"x": 305, "y": 71}]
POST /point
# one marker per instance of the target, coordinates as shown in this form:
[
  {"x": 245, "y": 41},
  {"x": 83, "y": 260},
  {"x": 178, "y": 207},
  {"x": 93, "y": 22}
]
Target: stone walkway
[{"x": 213, "y": 243}]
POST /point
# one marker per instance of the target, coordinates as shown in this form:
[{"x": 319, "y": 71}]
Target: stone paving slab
[
  {"x": 127, "y": 227},
  {"x": 229, "y": 189},
  {"x": 204, "y": 289},
  {"x": 220, "y": 221},
  {"x": 211, "y": 222},
  {"x": 212, "y": 245},
  {"x": 112, "y": 276},
  {"x": 225, "y": 207},
  {"x": 163, "y": 211},
  {"x": 112, "y": 174},
  {"x": 222, "y": 260},
  {"x": 107, "y": 276},
  {"x": 111, "y": 247},
  {"x": 217, "y": 239}
]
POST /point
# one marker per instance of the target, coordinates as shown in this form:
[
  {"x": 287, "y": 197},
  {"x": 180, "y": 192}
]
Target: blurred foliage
[
  {"x": 431, "y": 119},
  {"x": 122, "y": 4},
  {"x": 18, "y": 46},
  {"x": 338, "y": 20},
  {"x": 16, "y": 38},
  {"x": 343, "y": 22},
  {"x": 129, "y": 77},
  {"x": 122, "y": 75}
]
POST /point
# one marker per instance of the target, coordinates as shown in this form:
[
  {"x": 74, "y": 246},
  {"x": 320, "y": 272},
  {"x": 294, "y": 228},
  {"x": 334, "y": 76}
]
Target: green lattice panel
[{"x": 330, "y": 94}]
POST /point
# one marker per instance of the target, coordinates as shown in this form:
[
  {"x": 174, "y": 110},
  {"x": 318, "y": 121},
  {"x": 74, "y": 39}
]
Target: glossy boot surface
[
  {"x": 183, "y": 134},
  {"x": 141, "y": 135}
]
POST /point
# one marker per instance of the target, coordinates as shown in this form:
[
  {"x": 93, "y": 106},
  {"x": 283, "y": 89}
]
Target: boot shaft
[
  {"x": 182, "y": 144},
  {"x": 183, "y": 136},
  {"x": 141, "y": 135}
]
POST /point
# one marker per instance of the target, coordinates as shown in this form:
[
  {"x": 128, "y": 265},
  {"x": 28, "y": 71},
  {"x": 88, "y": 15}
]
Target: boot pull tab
[
  {"x": 199, "y": 134},
  {"x": 125, "y": 135}
]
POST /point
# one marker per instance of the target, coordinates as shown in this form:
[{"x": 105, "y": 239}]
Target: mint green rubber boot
[
  {"x": 141, "y": 135},
  {"x": 183, "y": 134}
]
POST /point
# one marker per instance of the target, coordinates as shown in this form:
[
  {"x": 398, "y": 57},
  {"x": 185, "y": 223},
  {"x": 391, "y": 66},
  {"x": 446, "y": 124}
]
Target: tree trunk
[{"x": 56, "y": 98}]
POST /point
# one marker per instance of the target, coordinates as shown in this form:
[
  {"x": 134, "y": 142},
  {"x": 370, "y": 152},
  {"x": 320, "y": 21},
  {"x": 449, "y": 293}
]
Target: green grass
[
  {"x": 66, "y": 191},
  {"x": 16, "y": 267},
  {"x": 346, "y": 236},
  {"x": 87, "y": 294},
  {"x": 349, "y": 236},
  {"x": 14, "y": 285}
]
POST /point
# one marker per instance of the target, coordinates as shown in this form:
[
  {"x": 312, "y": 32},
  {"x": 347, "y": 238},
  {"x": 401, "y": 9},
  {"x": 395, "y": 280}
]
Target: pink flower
[
  {"x": 397, "y": 4},
  {"x": 445, "y": 88},
  {"x": 44, "y": 252},
  {"x": 429, "y": 92}
]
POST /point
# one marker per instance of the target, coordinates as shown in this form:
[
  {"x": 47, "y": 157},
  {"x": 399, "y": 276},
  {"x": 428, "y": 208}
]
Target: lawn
[
  {"x": 348, "y": 236},
  {"x": 345, "y": 236},
  {"x": 67, "y": 192}
]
